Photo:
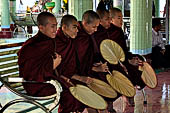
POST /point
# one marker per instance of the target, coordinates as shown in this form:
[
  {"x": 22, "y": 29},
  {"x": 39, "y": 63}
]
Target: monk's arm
[
  {"x": 56, "y": 61},
  {"x": 100, "y": 67}
]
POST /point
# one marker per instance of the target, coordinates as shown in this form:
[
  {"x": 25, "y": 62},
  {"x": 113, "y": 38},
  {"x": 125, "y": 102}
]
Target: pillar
[
  {"x": 78, "y": 7},
  {"x": 5, "y": 20},
  {"x": 57, "y": 7},
  {"x": 141, "y": 27},
  {"x": 157, "y": 8},
  {"x": 12, "y": 11},
  {"x": 0, "y": 12}
]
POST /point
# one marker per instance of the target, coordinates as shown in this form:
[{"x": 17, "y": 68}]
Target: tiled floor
[{"x": 158, "y": 99}]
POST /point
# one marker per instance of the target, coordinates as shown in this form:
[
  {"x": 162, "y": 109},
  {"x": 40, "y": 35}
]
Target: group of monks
[{"x": 72, "y": 52}]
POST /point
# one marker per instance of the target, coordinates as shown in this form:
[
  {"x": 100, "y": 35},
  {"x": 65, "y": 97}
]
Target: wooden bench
[{"x": 8, "y": 70}]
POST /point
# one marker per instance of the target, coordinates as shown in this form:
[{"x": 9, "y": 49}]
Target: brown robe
[
  {"x": 36, "y": 64},
  {"x": 84, "y": 49},
  {"x": 66, "y": 48}
]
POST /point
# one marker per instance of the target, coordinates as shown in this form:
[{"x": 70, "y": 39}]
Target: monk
[
  {"x": 66, "y": 48},
  {"x": 84, "y": 44},
  {"x": 37, "y": 58}
]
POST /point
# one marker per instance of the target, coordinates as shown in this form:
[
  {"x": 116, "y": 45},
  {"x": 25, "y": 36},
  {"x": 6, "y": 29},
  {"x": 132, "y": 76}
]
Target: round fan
[
  {"x": 88, "y": 97},
  {"x": 121, "y": 83},
  {"x": 148, "y": 75},
  {"x": 102, "y": 88},
  {"x": 111, "y": 51}
]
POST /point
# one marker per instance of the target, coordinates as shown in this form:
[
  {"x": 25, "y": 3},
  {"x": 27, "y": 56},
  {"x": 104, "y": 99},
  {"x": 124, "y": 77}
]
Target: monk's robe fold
[
  {"x": 84, "y": 49},
  {"x": 36, "y": 64},
  {"x": 66, "y": 48}
]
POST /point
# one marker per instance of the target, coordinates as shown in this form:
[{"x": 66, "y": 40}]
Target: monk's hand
[
  {"x": 100, "y": 67},
  {"x": 163, "y": 51},
  {"x": 67, "y": 80},
  {"x": 97, "y": 64},
  {"x": 57, "y": 60},
  {"x": 87, "y": 80}
]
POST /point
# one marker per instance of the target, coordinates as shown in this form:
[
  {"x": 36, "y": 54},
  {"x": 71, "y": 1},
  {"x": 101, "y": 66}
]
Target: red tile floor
[{"x": 158, "y": 99}]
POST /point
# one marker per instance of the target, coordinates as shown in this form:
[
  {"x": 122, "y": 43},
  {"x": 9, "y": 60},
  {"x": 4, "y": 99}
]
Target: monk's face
[
  {"x": 118, "y": 19},
  {"x": 51, "y": 28},
  {"x": 92, "y": 27},
  {"x": 105, "y": 21},
  {"x": 71, "y": 30}
]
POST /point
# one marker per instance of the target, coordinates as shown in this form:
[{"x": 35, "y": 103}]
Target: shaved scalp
[
  {"x": 101, "y": 10},
  {"x": 89, "y": 16},
  {"x": 67, "y": 20},
  {"x": 42, "y": 18},
  {"x": 113, "y": 11}
]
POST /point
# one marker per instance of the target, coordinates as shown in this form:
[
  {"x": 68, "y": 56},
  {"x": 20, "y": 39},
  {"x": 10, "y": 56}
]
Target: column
[
  {"x": 5, "y": 20},
  {"x": 157, "y": 8},
  {"x": 12, "y": 12},
  {"x": 57, "y": 6},
  {"x": 12, "y": 6},
  {"x": 5, "y": 14},
  {"x": 0, "y": 12},
  {"x": 141, "y": 27},
  {"x": 78, "y": 7}
]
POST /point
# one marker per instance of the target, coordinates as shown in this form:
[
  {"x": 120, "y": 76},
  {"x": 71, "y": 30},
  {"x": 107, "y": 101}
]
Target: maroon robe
[
  {"x": 66, "y": 48},
  {"x": 36, "y": 64},
  {"x": 116, "y": 34},
  {"x": 84, "y": 48}
]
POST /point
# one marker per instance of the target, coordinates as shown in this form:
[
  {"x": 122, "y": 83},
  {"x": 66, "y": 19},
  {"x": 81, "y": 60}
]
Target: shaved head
[
  {"x": 42, "y": 18},
  {"x": 89, "y": 16},
  {"x": 113, "y": 11},
  {"x": 67, "y": 20}
]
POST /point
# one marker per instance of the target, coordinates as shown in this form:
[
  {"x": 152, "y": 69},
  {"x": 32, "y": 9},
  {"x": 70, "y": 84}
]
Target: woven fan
[
  {"x": 121, "y": 83},
  {"x": 148, "y": 75},
  {"x": 88, "y": 97},
  {"x": 102, "y": 88},
  {"x": 111, "y": 51},
  {"x": 98, "y": 86}
]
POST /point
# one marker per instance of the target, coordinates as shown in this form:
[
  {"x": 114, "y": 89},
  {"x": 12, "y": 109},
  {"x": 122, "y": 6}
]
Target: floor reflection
[{"x": 158, "y": 99}]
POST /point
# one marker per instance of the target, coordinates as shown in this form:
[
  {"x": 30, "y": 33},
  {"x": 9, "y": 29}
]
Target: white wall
[
  {"x": 162, "y": 5},
  {"x": 26, "y": 3},
  {"x": 95, "y": 4}
]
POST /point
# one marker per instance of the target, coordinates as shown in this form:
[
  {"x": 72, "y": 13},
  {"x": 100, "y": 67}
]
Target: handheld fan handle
[{"x": 123, "y": 66}]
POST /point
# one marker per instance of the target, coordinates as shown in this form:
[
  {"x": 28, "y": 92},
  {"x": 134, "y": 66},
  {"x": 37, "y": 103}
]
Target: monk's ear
[
  {"x": 85, "y": 23},
  {"x": 40, "y": 27},
  {"x": 64, "y": 27},
  {"x": 111, "y": 20}
]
